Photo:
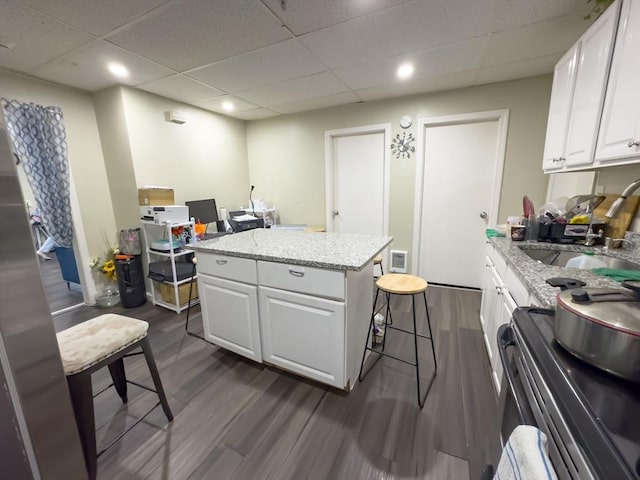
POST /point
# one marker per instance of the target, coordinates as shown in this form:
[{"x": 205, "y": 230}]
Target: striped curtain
[{"x": 39, "y": 140}]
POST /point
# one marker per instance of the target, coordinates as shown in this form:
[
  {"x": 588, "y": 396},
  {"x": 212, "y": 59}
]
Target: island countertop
[{"x": 334, "y": 251}]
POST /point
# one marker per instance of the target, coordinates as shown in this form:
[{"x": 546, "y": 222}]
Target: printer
[{"x": 165, "y": 213}]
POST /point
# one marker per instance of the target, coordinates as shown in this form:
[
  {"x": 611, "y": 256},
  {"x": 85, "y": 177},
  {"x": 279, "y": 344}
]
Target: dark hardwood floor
[
  {"x": 236, "y": 419},
  {"x": 59, "y": 295}
]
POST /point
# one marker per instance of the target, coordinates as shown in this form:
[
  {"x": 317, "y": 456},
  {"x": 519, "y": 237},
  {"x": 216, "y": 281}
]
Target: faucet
[
  {"x": 590, "y": 237},
  {"x": 610, "y": 242},
  {"x": 616, "y": 206}
]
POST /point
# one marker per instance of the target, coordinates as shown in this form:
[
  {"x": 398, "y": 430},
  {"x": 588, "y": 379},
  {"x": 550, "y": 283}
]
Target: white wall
[
  {"x": 286, "y": 154},
  {"x": 84, "y": 149},
  {"x": 204, "y": 158}
]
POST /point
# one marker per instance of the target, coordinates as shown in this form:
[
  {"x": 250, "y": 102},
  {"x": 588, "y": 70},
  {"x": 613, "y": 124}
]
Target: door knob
[
  {"x": 483, "y": 215},
  {"x": 335, "y": 213}
]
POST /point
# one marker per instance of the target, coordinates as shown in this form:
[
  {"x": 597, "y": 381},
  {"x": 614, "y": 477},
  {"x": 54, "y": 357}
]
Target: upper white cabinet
[
  {"x": 577, "y": 96},
  {"x": 564, "y": 78},
  {"x": 619, "y": 138}
]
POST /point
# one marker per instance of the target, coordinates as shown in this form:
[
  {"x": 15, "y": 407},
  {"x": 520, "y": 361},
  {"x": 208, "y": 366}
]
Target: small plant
[
  {"x": 599, "y": 6},
  {"x": 107, "y": 264}
]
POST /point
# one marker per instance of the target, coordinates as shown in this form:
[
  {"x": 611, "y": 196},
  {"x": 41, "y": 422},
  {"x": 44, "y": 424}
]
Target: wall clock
[{"x": 401, "y": 146}]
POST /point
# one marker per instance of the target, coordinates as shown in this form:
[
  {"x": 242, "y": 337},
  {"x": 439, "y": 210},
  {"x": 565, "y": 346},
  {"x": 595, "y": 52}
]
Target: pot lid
[{"x": 613, "y": 308}]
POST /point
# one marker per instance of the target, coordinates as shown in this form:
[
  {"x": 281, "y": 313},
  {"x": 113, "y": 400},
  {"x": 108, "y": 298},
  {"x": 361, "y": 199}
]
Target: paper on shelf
[{"x": 241, "y": 218}]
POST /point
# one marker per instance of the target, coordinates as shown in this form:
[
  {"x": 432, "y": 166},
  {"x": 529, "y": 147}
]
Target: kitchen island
[{"x": 298, "y": 300}]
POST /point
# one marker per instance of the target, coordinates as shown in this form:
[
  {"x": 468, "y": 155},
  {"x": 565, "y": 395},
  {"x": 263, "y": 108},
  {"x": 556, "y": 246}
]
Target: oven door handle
[{"x": 506, "y": 339}]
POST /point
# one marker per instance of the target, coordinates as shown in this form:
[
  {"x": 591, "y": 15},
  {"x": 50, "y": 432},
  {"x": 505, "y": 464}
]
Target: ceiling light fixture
[
  {"x": 405, "y": 71},
  {"x": 228, "y": 106},
  {"x": 118, "y": 70}
]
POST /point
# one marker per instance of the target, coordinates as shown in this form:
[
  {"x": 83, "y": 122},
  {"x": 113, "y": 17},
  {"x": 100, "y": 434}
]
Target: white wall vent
[
  {"x": 398, "y": 261},
  {"x": 175, "y": 117}
]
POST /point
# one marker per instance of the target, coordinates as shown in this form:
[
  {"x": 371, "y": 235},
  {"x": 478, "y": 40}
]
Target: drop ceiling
[{"x": 271, "y": 57}]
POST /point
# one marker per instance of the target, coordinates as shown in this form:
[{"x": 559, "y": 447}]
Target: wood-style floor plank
[{"x": 236, "y": 419}]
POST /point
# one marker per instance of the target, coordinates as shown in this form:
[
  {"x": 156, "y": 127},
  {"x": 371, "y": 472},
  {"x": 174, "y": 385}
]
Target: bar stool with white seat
[
  {"x": 401, "y": 284},
  {"x": 91, "y": 345}
]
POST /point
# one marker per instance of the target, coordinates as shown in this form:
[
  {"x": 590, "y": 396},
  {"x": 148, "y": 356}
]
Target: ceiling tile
[
  {"x": 180, "y": 87},
  {"x": 517, "y": 13},
  {"x": 318, "y": 85},
  {"x": 408, "y": 27},
  {"x": 94, "y": 16},
  {"x": 39, "y": 38},
  {"x": 317, "y": 103},
  {"x": 215, "y": 104},
  {"x": 304, "y": 17},
  {"x": 283, "y": 61},
  {"x": 86, "y": 68},
  {"x": 255, "y": 114},
  {"x": 513, "y": 71},
  {"x": 193, "y": 33},
  {"x": 532, "y": 41},
  {"x": 452, "y": 58},
  {"x": 441, "y": 82}
]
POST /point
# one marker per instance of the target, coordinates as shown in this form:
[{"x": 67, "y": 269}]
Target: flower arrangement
[{"x": 106, "y": 265}]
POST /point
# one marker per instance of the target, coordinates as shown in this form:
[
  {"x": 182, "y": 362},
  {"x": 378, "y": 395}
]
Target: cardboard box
[
  {"x": 155, "y": 196},
  {"x": 167, "y": 293}
]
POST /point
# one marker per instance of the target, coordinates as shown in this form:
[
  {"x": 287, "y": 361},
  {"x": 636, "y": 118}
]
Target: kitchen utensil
[
  {"x": 565, "y": 283},
  {"x": 602, "y": 328},
  {"x": 527, "y": 207},
  {"x": 580, "y": 204}
]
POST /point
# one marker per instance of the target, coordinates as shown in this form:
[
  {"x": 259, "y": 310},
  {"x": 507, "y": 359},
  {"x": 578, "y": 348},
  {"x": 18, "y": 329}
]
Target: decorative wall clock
[{"x": 401, "y": 146}]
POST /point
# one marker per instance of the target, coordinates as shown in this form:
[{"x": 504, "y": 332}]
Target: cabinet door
[
  {"x": 564, "y": 76},
  {"x": 230, "y": 315},
  {"x": 303, "y": 334},
  {"x": 620, "y": 126},
  {"x": 506, "y": 307},
  {"x": 491, "y": 309},
  {"x": 588, "y": 95}
]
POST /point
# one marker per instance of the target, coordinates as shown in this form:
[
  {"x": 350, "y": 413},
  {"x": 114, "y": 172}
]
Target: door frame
[
  {"x": 329, "y": 136},
  {"x": 423, "y": 122}
]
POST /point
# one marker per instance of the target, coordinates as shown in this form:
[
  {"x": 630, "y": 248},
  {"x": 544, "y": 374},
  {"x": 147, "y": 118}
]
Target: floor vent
[{"x": 398, "y": 261}]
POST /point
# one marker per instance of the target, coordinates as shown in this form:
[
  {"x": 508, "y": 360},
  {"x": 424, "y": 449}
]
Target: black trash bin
[{"x": 131, "y": 282}]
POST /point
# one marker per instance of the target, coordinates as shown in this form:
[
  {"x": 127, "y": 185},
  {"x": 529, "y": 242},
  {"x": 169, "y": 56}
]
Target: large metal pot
[{"x": 601, "y": 327}]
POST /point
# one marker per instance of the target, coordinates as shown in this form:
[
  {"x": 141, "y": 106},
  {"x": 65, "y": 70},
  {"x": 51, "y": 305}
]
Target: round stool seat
[
  {"x": 89, "y": 342},
  {"x": 401, "y": 284},
  {"x": 377, "y": 260}
]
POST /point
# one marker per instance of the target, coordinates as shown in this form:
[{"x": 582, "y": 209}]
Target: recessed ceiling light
[
  {"x": 118, "y": 70},
  {"x": 405, "y": 71},
  {"x": 228, "y": 106}
]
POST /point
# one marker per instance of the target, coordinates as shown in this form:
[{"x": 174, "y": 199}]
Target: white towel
[{"x": 525, "y": 456}]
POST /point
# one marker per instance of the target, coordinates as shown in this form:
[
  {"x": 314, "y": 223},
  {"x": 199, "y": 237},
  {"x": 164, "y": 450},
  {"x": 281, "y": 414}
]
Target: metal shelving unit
[{"x": 157, "y": 231}]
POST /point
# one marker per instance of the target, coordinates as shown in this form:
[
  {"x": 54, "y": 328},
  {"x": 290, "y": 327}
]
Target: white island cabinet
[{"x": 296, "y": 300}]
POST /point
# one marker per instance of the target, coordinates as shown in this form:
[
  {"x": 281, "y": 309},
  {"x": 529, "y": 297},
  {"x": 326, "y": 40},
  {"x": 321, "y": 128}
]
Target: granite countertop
[
  {"x": 334, "y": 251},
  {"x": 533, "y": 274}
]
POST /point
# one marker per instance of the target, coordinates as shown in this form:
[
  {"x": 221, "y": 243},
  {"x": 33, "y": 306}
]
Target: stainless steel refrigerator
[{"x": 38, "y": 434}]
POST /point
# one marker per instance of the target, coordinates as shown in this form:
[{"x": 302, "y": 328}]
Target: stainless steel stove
[{"x": 592, "y": 419}]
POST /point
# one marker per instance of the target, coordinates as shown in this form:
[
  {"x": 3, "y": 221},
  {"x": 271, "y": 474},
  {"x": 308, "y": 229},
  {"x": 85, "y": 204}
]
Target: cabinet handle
[
  {"x": 499, "y": 289},
  {"x": 561, "y": 159},
  {"x": 295, "y": 273},
  {"x": 633, "y": 144},
  {"x": 221, "y": 262}
]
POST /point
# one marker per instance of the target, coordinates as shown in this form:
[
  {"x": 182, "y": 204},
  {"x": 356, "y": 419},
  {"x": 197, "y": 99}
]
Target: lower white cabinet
[
  {"x": 230, "y": 315},
  {"x": 303, "y": 334}
]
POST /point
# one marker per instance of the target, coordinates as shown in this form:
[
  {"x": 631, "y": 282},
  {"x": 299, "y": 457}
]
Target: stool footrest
[
  {"x": 390, "y": 356},
  {"x": 390, "y": 327}
]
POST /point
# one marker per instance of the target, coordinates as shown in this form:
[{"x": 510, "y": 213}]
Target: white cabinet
[
  {"x": 577, "y": 96},
  {"x": 564, "y": 77},
  {"x": 619, "y": 137},
  {"x": 303, "y": 334},
  {"x": 501, "y": 294},
  {"x": 230, "y": 315}
]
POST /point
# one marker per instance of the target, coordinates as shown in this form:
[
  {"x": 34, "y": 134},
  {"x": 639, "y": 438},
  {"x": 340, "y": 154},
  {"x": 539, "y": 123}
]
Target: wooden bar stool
[
  {"x": 91, "y": 345},
  {"x": 401, "y": 284}
]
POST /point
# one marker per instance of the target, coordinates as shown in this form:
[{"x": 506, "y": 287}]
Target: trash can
[{"x": 131, "y": 281}]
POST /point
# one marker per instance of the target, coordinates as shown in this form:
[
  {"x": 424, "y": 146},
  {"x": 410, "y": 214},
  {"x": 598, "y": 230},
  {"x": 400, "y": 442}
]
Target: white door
[
  {"x": 461, "y": 173},
  {"x": 303, "y": 334},
  {"x": 230, "y": 315}
]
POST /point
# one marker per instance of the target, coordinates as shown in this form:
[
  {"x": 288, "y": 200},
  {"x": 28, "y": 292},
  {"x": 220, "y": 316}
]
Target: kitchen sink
[{"x": 559, "y": 258}]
